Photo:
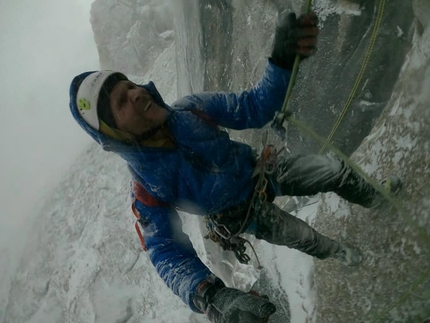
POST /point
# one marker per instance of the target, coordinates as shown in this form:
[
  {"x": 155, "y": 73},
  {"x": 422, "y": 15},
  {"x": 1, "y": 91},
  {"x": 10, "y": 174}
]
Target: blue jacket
[{"x": 204, "y": 173}]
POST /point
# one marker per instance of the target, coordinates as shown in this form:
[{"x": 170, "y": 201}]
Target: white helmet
[{"x": 89, "y": 95}]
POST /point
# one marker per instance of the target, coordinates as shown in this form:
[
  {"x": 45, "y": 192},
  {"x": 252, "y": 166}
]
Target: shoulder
[{"x": 194, "y": 101}]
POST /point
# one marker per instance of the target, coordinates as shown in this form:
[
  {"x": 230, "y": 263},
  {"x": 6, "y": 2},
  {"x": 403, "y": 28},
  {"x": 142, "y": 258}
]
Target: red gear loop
[
  {"x": 136, "y": 225},
  {"x": 142, "y": 195}
]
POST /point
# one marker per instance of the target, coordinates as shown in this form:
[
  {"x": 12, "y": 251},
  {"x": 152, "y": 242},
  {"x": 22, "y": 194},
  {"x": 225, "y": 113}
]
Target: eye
[{"x": 122, "y": 99}]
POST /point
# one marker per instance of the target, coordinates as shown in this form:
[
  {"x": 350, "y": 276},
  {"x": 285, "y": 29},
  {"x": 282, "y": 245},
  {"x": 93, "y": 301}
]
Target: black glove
[
  {"x": 229, "y": 305},
  {"x": 294, "y": 36}
]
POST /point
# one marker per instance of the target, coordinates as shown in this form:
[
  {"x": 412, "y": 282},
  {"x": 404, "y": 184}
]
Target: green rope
[
  {"x": 423, "y": 235},
  {"x": 421, "y": 232},
  {"x": 360, "y": 74},
  {"x": 284, "y": 115},
  {"x": 404, "y": 296}
]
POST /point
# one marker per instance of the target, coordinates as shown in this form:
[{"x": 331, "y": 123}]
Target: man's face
[{"x": 134, "y": 110}]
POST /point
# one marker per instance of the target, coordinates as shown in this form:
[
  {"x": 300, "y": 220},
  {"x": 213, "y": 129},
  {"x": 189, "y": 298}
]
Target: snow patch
[
  {"x": 400, "y": 32},
  {"x": 395, "y": 107},
  {"x": 325, "y": 8}
]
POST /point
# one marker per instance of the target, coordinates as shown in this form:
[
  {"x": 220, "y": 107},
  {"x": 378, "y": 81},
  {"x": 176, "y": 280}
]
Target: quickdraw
[
  {"x": 220, "y": 234},
  {"x": 266, "y": 165}
]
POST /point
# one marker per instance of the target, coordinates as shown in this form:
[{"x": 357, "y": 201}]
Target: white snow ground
[{"x": 83, "y": 263}]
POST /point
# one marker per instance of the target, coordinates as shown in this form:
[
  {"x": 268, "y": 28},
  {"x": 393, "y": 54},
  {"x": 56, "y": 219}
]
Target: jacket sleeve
[
  {"x": 171, "y": 251},
  {"x": 247, "y": 109}
]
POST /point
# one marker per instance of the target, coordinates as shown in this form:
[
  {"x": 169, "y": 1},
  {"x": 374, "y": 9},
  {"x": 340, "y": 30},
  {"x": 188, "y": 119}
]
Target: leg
[
  {"x": 312, "y": 174},
  {"x": 281, "y": 228}
]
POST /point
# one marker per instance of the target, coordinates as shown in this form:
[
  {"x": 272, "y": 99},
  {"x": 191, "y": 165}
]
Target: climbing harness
[{"x": 219, "y": 233}]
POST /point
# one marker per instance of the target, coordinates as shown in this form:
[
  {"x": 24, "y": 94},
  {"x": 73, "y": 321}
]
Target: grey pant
[
  {"x": 281, "y": 228},
  {"x": 301, "y": 176},
  {"x": 312, "y": 174}
]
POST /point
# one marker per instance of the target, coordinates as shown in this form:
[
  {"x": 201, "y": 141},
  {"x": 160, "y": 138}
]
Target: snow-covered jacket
[{"x": 204, "y": 173}]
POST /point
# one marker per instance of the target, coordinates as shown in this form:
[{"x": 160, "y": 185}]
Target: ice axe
[{"x": 278, "y": 122}]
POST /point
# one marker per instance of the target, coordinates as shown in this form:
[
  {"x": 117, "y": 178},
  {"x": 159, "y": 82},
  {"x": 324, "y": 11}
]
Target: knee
[
  {"x": 319, "y": 170},
  {"x": 266, "y": 220},
  {"x": 330, "y": 164}
]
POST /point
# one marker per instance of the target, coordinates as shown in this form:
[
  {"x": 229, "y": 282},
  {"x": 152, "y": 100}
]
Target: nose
[{"x": 134, "y": 95}]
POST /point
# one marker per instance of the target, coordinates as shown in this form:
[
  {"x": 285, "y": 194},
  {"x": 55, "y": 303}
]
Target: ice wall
[{"x": 131, "y": 34}]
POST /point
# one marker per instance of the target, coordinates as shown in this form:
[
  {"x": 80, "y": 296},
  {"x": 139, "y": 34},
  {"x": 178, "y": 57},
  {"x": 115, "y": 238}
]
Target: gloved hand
[
  {"x": 294, "y": 36},
  {"x": 229, "y": 305}
]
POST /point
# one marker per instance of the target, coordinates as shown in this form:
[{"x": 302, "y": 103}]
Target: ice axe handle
[{"x": 277, "y": 125}]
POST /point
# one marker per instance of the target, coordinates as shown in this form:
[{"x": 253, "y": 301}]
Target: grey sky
[{"x": 43, "y": 45}]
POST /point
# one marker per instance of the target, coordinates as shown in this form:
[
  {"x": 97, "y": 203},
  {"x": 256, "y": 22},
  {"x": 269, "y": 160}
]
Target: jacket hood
[{"x": 105, "y": 141}]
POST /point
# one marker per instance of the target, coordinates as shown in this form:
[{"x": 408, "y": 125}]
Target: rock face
[
  {"x": 130, "y": 35},
  {"x": 393, "y": 247},
  {"x": 237, "y": 38},
  {"x": 422, "y": 12},
  {"x": 343, "y": 46},
  {"x": 393, "y": 282}
]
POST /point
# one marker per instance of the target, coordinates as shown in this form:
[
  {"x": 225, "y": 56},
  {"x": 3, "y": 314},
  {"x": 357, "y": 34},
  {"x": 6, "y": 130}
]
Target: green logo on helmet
[{"x": 84, "y": 104}]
